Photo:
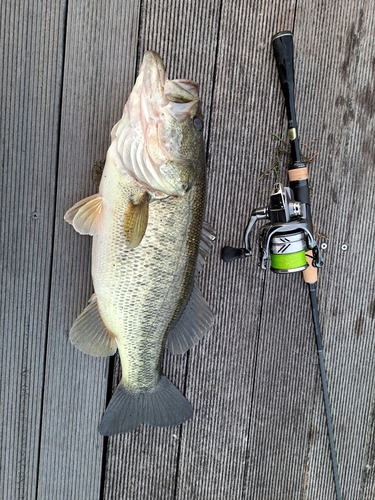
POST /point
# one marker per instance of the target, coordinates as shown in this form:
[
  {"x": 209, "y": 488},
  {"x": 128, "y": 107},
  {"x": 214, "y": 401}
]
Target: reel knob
[{"x": 229, "y": 254}]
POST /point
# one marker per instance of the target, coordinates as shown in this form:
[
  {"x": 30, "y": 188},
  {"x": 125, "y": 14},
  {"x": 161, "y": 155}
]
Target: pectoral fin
[
  {"x": 90, "y": 335},
  {"x": 86, "y": 215},
  {"x": 135, "y": 220}
]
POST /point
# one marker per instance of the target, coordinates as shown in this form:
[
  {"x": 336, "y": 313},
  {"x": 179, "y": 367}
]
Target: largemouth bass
[{"x": 149, "y": 243}]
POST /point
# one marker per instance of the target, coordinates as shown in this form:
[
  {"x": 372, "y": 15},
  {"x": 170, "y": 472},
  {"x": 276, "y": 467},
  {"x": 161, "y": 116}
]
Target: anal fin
[
  {"x": 89, "y": 333},
  {"x": 194, "y": 322}
]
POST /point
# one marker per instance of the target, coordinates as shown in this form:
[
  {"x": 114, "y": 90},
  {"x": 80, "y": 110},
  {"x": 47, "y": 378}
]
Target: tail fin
[{"x": 161, "y": 406}]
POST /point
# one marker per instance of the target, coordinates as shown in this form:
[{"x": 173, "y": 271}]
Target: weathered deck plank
[
  {"x": 259, "y": 429},
  {"x": 31, "y": 41},
  {"x": 100, "y": 54},
  {"x": 342, "y": 123}
]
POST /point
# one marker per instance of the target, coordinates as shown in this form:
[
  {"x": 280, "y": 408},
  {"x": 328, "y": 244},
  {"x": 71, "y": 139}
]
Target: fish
[{"x": 149, "y": 245}]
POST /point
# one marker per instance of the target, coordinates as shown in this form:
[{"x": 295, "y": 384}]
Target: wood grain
[
  {"x": 31, "y": 40},
  {"x": 336, "y": 91},
  {"x": 99, "y": 69},
  {"x": 227, "y": 372},
  {"x": 259, "y": 429}
]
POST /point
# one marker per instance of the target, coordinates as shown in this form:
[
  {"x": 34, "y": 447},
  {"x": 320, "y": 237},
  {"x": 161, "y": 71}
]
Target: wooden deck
[{"x": 259, "y": 429}]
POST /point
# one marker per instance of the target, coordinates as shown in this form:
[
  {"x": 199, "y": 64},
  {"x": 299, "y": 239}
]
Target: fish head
[
  {"x": 180, "y": 134},
  {"x": 160, "y": 136}
]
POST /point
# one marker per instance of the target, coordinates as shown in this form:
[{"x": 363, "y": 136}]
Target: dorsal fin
[
  {"x": 195, "y": 321},
  {"x": 205, "y": 245},
  {"x": 196, "y": 318}
]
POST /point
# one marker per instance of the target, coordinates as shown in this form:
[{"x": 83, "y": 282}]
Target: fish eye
[{"x": 198, "y": 124}]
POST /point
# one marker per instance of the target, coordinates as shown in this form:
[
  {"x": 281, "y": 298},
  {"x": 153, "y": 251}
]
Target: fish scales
[
  {"x": 149, "y": 244},
  {"x": 149, "y": 283}
]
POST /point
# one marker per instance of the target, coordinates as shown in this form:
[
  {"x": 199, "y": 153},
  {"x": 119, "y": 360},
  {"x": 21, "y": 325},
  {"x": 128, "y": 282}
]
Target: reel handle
[{"x": 229, "y": 254}]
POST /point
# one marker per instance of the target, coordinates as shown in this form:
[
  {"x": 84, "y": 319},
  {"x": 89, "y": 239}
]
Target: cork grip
[
  {"x": 310, "y": 275},
  {"x": 298, "y": 174}
]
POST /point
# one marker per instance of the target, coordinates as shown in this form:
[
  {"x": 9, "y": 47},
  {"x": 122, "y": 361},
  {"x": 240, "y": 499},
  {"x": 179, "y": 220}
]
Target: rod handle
[
  {"x": 298, "y": 181},
  {"x": 282, "y": 44},
  {"x": 310, "y": 274}
]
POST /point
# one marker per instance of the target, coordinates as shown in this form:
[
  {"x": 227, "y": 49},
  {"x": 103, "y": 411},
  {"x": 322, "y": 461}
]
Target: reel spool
[{"x": 288, "y": 252}]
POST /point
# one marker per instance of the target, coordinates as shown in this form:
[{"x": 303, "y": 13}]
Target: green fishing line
[{"x": 285, "y": 262}]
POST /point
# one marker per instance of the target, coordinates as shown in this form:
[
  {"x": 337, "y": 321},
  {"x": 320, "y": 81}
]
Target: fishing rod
[{"x": 287, "y": 240}]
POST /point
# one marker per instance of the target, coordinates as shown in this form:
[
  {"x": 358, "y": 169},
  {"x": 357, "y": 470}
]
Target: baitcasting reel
[{"x": 285, "y": 239}]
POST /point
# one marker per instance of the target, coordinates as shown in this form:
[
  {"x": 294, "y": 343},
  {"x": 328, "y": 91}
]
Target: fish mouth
[
  {"x": 146, "y": 141},
  {"x": 152, "y": 74},
  {"x": 155, "y": 83}
]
